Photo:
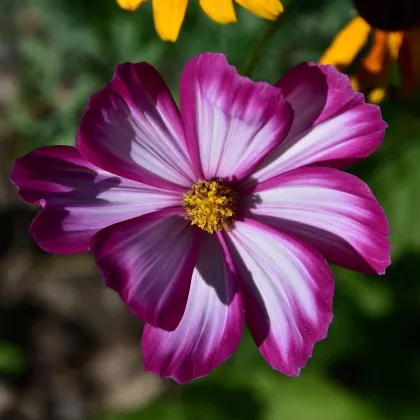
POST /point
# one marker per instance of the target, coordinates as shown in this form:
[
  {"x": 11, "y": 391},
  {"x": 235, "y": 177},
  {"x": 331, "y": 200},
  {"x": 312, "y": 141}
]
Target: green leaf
[{"x": 12, "y": 359}]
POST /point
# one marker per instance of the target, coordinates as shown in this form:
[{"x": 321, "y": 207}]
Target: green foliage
[{"x": 12, "y": 360}]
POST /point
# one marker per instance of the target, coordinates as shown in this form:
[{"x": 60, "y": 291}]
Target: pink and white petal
[
  {"x": 333, "y": 211},
  {"x": 231, "y": 123},
  {"x": 316, "y": 93},
  {"x": 211, "y": 329},
  {"x": 287, "y": 289},
  {"x": 149, "y": 261},
  {"x": 332, "y": 125},
  {"x": 132, "y": 128},
  {"x": 78, "y": 198}
]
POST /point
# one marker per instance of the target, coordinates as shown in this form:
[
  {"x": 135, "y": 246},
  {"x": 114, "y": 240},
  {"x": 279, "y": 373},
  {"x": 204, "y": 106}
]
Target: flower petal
[
  {"x": 333, "y": 211},
  {"x": 347, "y": 44},
  {"x": 373, "y": 75},
  {"x": 132, "y": 128},
  {"x": 267, "y": 9},
  {"x": 149, "y": 262},
  {"x": 221, "y": 11},
  {"x": 332, "y": 125},
  {"x": 169, "y": 16},
  {"x": 130, "y": 5},
  {"x": 78, "y": 199},
  {"x": 287, "y": 289},
  {"x": 211, "y": 329},
  {"x": 322, "y": 89},
  {"x": 230, "y": 122}
]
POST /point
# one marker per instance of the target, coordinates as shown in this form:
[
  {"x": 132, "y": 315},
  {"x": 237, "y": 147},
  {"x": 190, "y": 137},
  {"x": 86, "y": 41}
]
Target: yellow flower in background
[
  {"x": 169, "y": 14},
  {"x": 394, "y": 27}
]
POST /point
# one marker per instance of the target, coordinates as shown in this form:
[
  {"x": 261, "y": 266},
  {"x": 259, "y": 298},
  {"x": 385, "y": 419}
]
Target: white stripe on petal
[
  {"x": 149, "y": 261},
  {"x": 231, "y": 123},
  {"x": 287, "y": 289},
  {"x": 333, "y": 211},
  {"x": 211, "y": 328},
  {"x": 79, "y": 198},
  {"x": 332, "y": 124},
  {"x": 132, "y": 128}
]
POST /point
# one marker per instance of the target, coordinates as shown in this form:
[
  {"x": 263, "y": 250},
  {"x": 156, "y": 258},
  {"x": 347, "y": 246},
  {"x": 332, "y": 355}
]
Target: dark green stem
[{"x": 259, "y": 47}]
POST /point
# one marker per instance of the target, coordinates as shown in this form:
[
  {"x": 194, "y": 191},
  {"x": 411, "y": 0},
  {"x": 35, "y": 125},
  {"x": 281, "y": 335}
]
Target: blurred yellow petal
[
  {"x": 346, "y": 45},
  {"x": 354, "y": 83},
  {"x": 221, "y": 11},
  {"x": 385, "y": 48},
  {"x": 130, "y": 5},
  {"x": 267, "y": 9},
  {"x": 374, "y": 60},
  {"x": 376, "y": 95},
  {"x": 409, "y": 62},
  {"x": 375, "y": 68},
  {"x": 169, "y": 15},
  {"x": 395, "y": 40}
]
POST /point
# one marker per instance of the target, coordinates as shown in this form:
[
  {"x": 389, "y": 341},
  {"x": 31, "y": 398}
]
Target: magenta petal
[
  {"x": 78, "y": 199},
  {"x": 316, "y": 93},
  {"x": 231, "y": 123},
  {"x": 211, "y": 329},
  {"x": 333, "y": 211},
  {"x": 332, "y": 124},
  {"x": 132, "y": 128},
  {"x": 149, "y": 262},
  {"x": 287, "y": 289}
]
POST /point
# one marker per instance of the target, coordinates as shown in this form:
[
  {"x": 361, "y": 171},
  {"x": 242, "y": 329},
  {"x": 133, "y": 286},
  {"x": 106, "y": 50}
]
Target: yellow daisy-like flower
[
  {"x": 394, "y": 26},
  {"x": 169, "y": 14}
]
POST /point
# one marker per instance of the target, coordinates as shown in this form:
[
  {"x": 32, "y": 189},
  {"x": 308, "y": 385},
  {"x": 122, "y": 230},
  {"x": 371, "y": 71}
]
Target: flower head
[
  {"x": 169, "y": 14},
  {"x": 223, "y": 212},
  {"x": 395, "y": 29}
]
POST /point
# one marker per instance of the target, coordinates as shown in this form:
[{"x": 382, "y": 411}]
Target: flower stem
[{"x": 259, "y": 47}]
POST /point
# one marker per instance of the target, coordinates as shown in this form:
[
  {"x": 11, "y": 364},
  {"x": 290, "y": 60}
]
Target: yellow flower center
[{"x": 210, "y": 205}]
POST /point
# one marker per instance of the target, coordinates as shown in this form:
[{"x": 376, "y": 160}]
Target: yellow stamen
[{"x": 210, "y": 205}]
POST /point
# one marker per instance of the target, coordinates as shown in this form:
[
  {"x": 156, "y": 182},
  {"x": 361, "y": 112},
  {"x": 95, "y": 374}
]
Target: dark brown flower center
[{"x": 390, "y": 15}]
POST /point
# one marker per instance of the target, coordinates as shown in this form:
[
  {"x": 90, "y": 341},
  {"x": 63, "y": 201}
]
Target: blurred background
[{"x": 69, "y": 349}]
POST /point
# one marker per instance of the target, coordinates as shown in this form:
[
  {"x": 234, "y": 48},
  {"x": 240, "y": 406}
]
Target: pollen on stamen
[{"x": 210, "y": 205}]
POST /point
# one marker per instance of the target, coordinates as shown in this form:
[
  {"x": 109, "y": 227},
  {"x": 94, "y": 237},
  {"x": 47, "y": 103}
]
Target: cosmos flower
[
  {"x": 224, "y": 212},
  {"x": 394, "y": 26},
  {"x": 169, "y": 14}
]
